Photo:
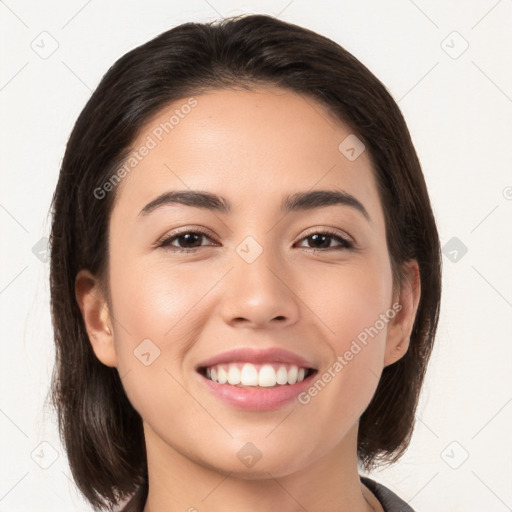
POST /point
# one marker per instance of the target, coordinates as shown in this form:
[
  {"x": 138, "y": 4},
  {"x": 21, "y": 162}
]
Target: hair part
[{"x": 100, "y": 429}]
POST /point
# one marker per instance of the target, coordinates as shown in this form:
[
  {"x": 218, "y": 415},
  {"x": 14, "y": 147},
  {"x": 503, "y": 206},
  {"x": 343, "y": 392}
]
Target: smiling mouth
[{"x": 268, "y": 375}]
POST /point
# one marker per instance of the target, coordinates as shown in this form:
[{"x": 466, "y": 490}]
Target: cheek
[
  {"x": 354, "y": 309},
  {"x": 159, "y": 312},
  {"x": 154, "y": 301},
  {"x": 152, "y": 310},
  {"x": 343, "y": 389},
  {"x": 350, "y": 299}
]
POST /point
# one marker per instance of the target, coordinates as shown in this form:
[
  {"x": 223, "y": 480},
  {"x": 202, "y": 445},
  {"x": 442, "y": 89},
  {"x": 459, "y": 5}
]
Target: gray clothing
[{"x": 388, "y": 499}]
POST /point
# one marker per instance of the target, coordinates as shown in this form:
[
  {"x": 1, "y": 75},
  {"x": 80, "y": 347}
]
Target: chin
[{"x": 261, "y": 467}]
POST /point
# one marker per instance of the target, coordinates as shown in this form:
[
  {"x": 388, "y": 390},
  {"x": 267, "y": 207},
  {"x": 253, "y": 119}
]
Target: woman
[{"x": 245, "y": 276}]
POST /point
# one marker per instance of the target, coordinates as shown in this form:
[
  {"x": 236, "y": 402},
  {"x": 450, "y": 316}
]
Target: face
[{"x": 265, "y": 265}]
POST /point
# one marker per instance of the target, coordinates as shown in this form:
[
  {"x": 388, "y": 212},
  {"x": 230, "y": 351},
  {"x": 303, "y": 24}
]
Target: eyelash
[{"x": 345, "y": 243}]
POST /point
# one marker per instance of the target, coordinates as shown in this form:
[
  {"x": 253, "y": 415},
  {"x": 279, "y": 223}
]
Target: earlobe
[
  {"x": 96, "y": 317},
  {"x": 400, "y": 327}
]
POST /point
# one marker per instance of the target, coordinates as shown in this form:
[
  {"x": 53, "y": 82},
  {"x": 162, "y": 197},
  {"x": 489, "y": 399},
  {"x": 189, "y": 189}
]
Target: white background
[{"x": 458, "y": 107}]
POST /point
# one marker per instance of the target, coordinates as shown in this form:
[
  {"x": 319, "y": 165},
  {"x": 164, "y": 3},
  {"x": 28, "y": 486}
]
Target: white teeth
[
  {"x": 248, "y": 374},
  {"x": 267, "y": 377},
  {"x": 282, "y": 375},
  {"x": 222, "y": 376},
  {"x": 292, "y": 375},
  {"x": 233, "y": 375}
]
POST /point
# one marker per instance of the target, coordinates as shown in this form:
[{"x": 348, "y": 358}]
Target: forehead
[{"x": 252, "y": 147}]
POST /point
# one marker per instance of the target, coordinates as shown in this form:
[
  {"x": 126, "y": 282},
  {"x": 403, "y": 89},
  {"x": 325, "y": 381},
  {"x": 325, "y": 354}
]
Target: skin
[{"x": 253, "y": 148}]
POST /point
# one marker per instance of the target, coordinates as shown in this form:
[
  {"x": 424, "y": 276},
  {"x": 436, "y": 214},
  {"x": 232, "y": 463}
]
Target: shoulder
[{"x": 389, "y": 500}]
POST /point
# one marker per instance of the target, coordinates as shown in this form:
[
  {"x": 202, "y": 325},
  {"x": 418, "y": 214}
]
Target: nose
[{"x": 259, "y": 295}]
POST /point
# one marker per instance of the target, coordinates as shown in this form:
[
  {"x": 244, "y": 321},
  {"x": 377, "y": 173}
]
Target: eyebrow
[{"x": 296, "y": 202}]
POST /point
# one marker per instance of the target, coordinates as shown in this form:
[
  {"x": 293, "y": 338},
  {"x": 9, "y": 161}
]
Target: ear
[
  {"x": 405, "y": 304},
  {"x": 96, "y": 315}
]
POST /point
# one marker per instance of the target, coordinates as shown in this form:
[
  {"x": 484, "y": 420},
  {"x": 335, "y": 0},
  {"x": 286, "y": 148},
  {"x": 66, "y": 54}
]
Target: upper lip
[{"x": 257, "y": 356}]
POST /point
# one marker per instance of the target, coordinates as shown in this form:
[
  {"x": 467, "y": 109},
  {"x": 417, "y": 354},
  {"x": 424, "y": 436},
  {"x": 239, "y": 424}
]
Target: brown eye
[
  {"x": 323, "y": 240},
  {"x": 187, "y": 241}
]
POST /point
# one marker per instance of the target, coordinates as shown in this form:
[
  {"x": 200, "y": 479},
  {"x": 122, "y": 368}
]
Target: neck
[{"x": 330, "y": 484}]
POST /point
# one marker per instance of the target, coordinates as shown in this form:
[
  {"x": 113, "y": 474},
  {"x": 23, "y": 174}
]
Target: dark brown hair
[{"x": 100, "y": 429}]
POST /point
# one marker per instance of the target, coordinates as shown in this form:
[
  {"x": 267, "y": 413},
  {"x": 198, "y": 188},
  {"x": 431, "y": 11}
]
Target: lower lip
[{"x": 255, "y": 398}]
